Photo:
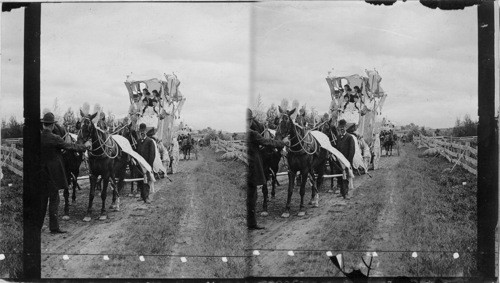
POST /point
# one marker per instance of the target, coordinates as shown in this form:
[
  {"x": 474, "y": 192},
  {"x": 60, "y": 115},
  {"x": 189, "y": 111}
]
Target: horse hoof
[
  {"x": 65, "y": 217},
  {"x": 264, "y": 213},
  {"x": 285, "y": 215},
  {"x": 301, "y": 213},
  {"x": 87, "y": 219},
  {"x": 137, "y": 195},
  {"x": 103, "y": 217},
  {"x": 315, "y": 204},
  {"x": 116, "y": 209}
]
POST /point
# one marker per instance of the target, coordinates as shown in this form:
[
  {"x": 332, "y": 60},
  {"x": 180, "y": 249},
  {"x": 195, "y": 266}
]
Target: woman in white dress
[{"x": 149, "y": 115}]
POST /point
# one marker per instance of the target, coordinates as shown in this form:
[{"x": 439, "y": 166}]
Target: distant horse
[
  {"x": 186, "y": 146},
  {"x": 106, "y": 160},
  {"x": 270, "y": 163},
  {"x": 388, "y": 143},
  {"x": 305, "y": 155},
  {"x": 72, "y": 161}
]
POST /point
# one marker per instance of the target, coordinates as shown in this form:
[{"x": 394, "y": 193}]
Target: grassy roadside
[
  {"x": 11, "y": 222},
  {"x": 442, "y": 213}
]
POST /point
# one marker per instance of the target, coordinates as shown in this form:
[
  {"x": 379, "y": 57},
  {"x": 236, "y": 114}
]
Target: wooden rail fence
[
  {"x": 12, "y": 158},
  {"x": 455, "y": 150}
]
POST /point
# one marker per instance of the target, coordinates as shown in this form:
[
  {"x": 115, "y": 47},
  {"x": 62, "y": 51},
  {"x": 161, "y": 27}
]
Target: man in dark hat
[
  {"x": 345, "y": 144},
  {"x": 146, "y": 148},
  {"x": 256, "y": 176},
  {"x": 52, "y": 167}
]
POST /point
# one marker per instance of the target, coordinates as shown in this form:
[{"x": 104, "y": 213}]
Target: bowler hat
[
  {"x": 142, "y": 127},
  {"x": 48, "y": 118}
]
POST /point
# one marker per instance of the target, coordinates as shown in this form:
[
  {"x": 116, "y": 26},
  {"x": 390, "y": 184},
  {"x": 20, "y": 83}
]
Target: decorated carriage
[
  {"x": 365, "y": 113},
  {"x": 359, "y": 100},
  {"x": 169, "y": 101}
]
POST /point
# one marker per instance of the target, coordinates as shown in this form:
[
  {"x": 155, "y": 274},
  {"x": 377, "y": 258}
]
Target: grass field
[{"x": 11, "y": 222}]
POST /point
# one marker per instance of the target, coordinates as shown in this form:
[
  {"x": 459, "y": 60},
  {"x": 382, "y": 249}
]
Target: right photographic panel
[{"x": 367, "y": 122}]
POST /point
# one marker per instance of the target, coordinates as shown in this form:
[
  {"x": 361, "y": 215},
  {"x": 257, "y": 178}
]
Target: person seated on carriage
[
  {"x": 149, "y": 115},
  {"x": 157, "y": 96},
  {"x": 359, "y": 94},
  {"x": 148, "y": 95}
]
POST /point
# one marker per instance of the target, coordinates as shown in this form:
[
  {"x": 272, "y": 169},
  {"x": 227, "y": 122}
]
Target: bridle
[
  {"x": 302, "y": 143},
  {"x": 101, "y": 143}
]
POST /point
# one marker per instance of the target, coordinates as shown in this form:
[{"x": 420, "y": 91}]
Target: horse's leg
[
  {"x": 265, "y": 193},
  {"x": 75, "y": 185},
  {"x": 274, "y": 180},
  {"x": 291, "y": 184},
  {"x": 303, "y": 176},
  {"x": 104, "y": 192},
  {"x": 93, "y": 183},
  {"x": 66, "y": 202},
  {"x": 319, "y": 184}
]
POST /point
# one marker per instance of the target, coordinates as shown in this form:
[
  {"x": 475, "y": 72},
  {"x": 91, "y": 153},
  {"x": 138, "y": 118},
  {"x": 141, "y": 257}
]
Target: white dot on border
[
  {"x": 464, "y": 183},
  {"x": 105, "y": 257},
  {"x": 329, "y": 253},
  {"x": 65, "y": 257},
  {"x": 290, "y": 253},
  {"x": 2, "y": 256},
  {"x": 455, "y": 255},
  {"x": 374, "y": 254},
  {"x": 224, "y": 259},
  {"x": 414, "y": 254},
  {"x": 183, "y": 259},
  {"x": 256, "y": 252},
  {"x": 141, "y": 258}
]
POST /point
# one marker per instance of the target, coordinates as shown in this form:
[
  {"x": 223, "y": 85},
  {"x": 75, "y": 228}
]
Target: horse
[
  {"x": 388, "y": 143},
  {"x": 106, "y": 160},
  {"x": 132, "y": 137},
  {"x": 330, "y": 130},
  {"x": 186, "y": 147},
  {"x": 72, "y": 161},
  {"x": 270, "y": 163},
  {"x": 304, "y": 155}
]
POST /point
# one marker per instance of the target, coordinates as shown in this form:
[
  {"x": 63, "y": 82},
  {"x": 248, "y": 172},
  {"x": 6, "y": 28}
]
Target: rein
[
  {"x": 300, "y": 140},
  {"x": 102, "y": 144}
]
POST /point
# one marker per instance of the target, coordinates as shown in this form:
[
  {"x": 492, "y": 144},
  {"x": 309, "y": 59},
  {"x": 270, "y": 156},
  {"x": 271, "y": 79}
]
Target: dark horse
[
  {"x": 106, "y": 160},
  {"x": 330, "y": 130},
  {"x": 132, "y": 137},
  {"x": 72, "y": 161},
  {"x": 270, "y": 163},
  {"x": 388, "y": 142},
  {"x": 186, "y": 146},
  {"x": 304, "y": 155}
]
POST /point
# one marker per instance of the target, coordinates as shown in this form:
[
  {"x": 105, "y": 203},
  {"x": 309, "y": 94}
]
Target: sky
[
  {"x": 226, "y": 54},
  {"x": 87, "y": 50},
  {"x": 427, "y": 58}
]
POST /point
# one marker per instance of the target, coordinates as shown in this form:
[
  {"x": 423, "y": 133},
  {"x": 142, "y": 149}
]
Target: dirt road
[
  {"x": 171, "y": 225},
  {"x": 379, "y": 217}
]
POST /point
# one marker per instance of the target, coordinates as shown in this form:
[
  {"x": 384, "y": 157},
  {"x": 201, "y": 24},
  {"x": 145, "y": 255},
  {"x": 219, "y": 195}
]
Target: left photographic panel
[
  {"x": 143, "y": 110},
  {"x": 11, "y": 174}
]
